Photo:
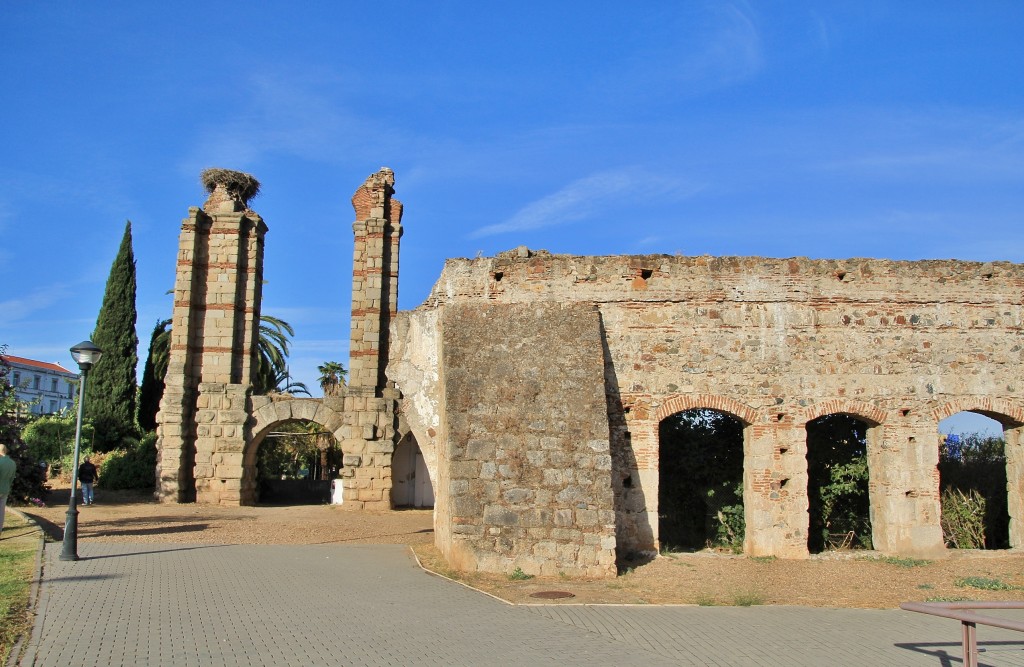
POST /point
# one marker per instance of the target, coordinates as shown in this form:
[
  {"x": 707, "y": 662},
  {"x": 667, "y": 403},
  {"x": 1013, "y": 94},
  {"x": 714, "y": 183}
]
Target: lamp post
[{"x": 85, "y": 355}]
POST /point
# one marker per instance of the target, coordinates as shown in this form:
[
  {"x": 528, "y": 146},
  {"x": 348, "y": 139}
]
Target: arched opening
[
  {"x": 973, "y": 482},
  {"x": 410, "y": 479},
  {"x": 295, "y": 462},
  {"x": 700, "y": 488},
  {"x": 838, "y": 497}
]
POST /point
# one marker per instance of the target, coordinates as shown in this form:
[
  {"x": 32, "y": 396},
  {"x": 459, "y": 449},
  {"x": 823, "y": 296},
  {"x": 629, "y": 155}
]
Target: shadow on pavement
[{"x": 949, "y": 653}]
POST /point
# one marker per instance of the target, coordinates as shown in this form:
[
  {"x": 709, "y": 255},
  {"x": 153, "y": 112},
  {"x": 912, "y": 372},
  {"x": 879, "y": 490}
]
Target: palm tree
[
  {"x": 272, "y": 354},
  {"x": 332, "y": 377},
  {"x": 271, "y": 364},
  {"x": 284, "y": 384}
]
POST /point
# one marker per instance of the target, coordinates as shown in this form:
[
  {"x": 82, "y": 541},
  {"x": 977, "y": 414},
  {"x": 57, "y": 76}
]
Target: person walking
[
  {"x": 7, "y": 471},
  {"x": 87, "y": 475}
]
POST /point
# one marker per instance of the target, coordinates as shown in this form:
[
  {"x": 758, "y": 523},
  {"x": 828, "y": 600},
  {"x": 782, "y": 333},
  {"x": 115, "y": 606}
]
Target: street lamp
[{"x": 85, "y": 355}]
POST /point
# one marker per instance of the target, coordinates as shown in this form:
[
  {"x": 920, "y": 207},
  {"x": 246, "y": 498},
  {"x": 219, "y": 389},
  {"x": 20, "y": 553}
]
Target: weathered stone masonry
[
  {"x": 778, "y": 343},
  {"x": 210, "y": 424},
  {"x": 534, "y": 384}
]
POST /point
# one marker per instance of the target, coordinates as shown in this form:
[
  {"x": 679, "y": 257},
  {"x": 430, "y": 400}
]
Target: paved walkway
[{"x": 160, "y": 604}]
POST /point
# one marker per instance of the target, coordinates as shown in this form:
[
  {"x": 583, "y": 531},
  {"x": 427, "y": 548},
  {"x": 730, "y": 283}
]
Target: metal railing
[{"x": 969, "y": 620}]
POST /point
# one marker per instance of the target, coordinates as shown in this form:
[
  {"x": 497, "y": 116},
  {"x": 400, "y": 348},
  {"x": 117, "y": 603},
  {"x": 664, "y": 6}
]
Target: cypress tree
[
  {"x": 152, "y": 389},
  {"x": 111, "y": 388}
]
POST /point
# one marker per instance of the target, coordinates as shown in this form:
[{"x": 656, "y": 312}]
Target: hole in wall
[
  {"x": 780, "y": 416},
  {"x": 904, "y": 412},
  {"x": 783, "y": 450},
  {"x": 498, "y": 275},
  {"x": 627, "y": 482},
  {"x": 783, "y": 483},
  {"x": 840, "y": 275},
  {"x": 911, "y": 439},
  {"x": 646, "y": 274}
]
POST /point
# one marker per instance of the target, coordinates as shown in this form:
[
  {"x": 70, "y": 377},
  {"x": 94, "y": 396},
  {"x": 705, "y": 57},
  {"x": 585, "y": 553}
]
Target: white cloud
[
  {"x": 584, "y": 197},
  {"x": 35, "y": 301},
  {"x": 287, "y": 113}
]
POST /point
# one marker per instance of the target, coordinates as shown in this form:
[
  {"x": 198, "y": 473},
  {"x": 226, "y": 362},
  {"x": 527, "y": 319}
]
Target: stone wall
[
  {"x": 525, "y": 468},
  {"x": 777, "y": 343}
]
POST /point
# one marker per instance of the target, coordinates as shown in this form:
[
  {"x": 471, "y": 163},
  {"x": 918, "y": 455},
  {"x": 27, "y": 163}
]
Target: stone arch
[
  {"x": 873, "y": 415},
  {"x": 1011, "y": 416},
  {"x": 681, "y": 403},
  {"x": 274, "y": 414},
  {"x": 409, "y": 466},
  {"x": 745, "y": 415},
  {"x": 873, "y": 418}
]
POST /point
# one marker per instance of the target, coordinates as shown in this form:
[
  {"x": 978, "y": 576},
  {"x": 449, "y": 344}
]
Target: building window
[
  {"x": 71, "y": 389},
  {"x": 53, "y": 406},
  {"x": 17, "y": 378},
  {"x": 35, "y": 382},
  {"x": 53, "y": 385}
]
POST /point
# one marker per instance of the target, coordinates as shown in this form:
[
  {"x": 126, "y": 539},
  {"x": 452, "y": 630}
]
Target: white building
[{"x": 44, "y": 386}]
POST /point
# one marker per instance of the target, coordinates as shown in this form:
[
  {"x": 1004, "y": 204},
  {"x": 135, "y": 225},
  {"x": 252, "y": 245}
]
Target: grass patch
[
  {"x": 748, "y": 599},
  {"x": 519, "y": 575},
  {"x": 947, "y": 598},
  {"x": 706, "y": 601},
  {"x": 901, "y": 562},
  {"x": 984, "y": 584},
  {"x": 17, "y": 559},
  {"x": 763, "y": 559},
  {"x": 925, "y": 587}
]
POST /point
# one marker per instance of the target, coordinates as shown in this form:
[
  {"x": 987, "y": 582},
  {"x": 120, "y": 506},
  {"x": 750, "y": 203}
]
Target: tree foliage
[
  {"x": 296, "y": 447},
  {"x": 271, "y": 366},
  {"x": 837, "y": 481},
  {"x": 700, "y": 495},
  {"x": 133, "y": 467},
  {"x": 30, "y": 479},
  {"x": 51, "y": 437},
  {"x": 974, "y": 464},
  {"x": 152, "y": 389},
  {"x": 332, "y": 377},
  {"x": 111, "y": 386}
]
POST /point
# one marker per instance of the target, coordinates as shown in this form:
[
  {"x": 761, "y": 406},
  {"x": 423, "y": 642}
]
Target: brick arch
[
  {"x": 681, "y": 403},
  {"x": 1005, "y": 412},
  {"x": 866, "y": 411}
]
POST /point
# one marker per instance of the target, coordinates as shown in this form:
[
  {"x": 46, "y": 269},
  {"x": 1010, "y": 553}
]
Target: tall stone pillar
[
  {"x": 217, "y": 293},
  {"x": 370, "y": 402},
  {"x": 377, "y": 231}
]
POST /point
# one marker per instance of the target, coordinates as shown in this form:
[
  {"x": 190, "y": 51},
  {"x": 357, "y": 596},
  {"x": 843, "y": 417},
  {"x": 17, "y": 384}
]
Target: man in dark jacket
[{"x": 87, "y": 476}]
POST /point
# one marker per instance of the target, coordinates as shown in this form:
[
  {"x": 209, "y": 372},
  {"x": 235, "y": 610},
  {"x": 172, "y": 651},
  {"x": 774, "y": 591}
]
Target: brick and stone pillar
[
  {"x": 370, "y": 401},
  {"x": 217, "y": 293},
  {"x": 377, "y": 231}
]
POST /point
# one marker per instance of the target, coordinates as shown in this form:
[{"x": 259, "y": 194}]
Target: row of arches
[{"x": 702, "y": 454}]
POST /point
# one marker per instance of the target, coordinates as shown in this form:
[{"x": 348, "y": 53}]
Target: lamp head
[{"x": 86, "y": 354}]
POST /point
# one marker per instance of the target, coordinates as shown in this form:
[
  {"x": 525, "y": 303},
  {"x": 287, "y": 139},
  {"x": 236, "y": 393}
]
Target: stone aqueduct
[{"x": 534, "y": 384}]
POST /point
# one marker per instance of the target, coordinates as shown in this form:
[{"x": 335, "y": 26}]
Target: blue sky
[{"x": 877, "y": 129}]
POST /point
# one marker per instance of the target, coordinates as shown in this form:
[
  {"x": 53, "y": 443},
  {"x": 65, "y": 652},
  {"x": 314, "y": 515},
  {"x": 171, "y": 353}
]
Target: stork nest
[{"x": 236, "y": 183}]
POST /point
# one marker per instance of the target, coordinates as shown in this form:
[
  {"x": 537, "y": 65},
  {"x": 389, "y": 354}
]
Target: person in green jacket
[{"x": 7, "y": 471}]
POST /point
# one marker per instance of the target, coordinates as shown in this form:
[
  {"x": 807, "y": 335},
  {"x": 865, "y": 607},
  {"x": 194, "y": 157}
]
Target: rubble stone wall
[
  {"x": 526, "y": 474},
  {"x": 776, "y": 343}
]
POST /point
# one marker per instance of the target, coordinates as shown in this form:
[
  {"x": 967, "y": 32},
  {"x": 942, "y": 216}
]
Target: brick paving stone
[{"x": 146, "y": 604}]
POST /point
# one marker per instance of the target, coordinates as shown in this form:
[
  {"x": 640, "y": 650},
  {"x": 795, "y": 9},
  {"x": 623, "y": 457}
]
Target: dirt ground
[{"x": 841, "y": 579}]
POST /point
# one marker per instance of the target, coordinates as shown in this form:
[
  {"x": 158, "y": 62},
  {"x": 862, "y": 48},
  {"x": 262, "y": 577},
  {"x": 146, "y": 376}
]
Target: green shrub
[
  {"x": 984, "y": 584},
  {"x": 131, "y": 468},
  {"x": 963, "y": 519},
  {"x": 519, "y": 575}
]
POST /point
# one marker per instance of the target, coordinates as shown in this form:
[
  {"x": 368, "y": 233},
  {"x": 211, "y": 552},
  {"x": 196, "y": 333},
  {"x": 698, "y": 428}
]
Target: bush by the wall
[
  {"x": 963, "y": 519},
  {"x": 131, "y": 468}
]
